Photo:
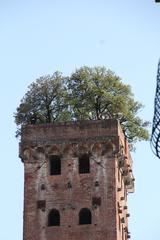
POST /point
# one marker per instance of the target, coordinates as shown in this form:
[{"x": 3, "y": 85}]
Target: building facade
[{"x": 77, "y": 176}]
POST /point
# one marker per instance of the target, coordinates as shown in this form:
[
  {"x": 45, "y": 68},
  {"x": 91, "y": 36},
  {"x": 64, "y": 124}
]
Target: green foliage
[
  {"x": 44, "y": 101},
  {"x": 89, "y": 93},
  {"x": 97, "y": 93}
]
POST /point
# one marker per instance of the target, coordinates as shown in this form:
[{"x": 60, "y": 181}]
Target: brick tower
[{"x": 77, "y": 177}]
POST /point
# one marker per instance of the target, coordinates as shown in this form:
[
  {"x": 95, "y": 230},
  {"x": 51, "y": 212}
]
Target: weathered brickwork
[{"x": 102, "y": 189}]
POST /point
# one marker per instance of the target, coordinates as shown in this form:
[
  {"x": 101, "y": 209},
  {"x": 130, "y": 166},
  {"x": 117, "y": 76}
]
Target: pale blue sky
[{"x": 39, "y": 37}]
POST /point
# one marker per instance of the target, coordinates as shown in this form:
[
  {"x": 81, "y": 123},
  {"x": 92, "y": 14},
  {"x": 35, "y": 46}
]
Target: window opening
[
  {"x": 119, "y": 223},
  {"x": 54, "y": 218},
  {"x": 85, "y": 216},
  {"x": 96, "y": 183},
  {"x": 96, "y": 201},
  {"x": 69, "y": 185},
  {"x": 84, "y": 164},
  {"x": 55, "y": 165},
  {"x": 43, "y": 187},
  {"x": 41, "y": 204}
]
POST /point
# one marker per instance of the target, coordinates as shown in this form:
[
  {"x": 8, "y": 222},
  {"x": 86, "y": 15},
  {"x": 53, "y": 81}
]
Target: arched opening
[
  {"x": 54, "y": 218},
  {"x": 85, "y": 216},
  {"x": 84, "y": 164},
  {"x": 55, "y": 165},
  {"x": 108, "y": 148}
]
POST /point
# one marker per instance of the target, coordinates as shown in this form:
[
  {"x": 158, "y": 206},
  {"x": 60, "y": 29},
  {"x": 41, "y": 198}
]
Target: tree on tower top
[{"x": 88, "y": 94}]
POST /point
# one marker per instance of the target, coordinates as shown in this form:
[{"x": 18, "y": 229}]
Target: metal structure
[{"x": 155, "y": 137}]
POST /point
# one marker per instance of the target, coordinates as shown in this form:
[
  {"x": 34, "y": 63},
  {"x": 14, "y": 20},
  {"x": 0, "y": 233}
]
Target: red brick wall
[{"x": 104, "y": 142}]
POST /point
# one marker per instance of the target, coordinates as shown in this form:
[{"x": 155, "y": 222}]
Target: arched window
[
  {"x": 85, "y": 216},
  {"x": 55, "y": 165},
  {"x": 54, "y": 218},
  {"x": 84, "y": 164}
]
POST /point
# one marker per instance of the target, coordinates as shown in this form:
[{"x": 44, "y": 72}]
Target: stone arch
[
  {"x": 54, "y": 218},
  {"x": 54, "y": 150},
  {"x": 108, "y": 148},
  {"x": 68, "y": 150},
  {"x": 83, "y": 149},
  {"x": 97, "y": 149},
  {"x": 26, "y": 154},
  {"x": 85, "y": 216}
]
